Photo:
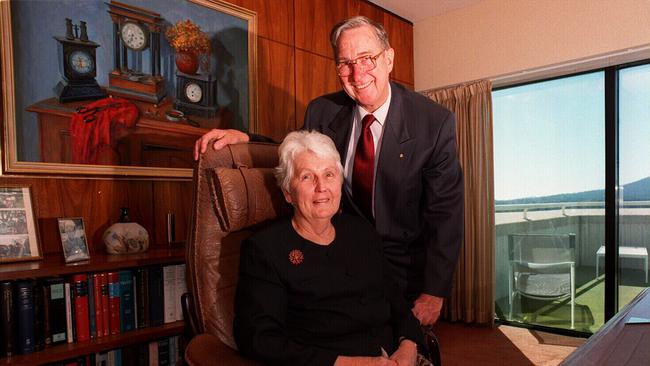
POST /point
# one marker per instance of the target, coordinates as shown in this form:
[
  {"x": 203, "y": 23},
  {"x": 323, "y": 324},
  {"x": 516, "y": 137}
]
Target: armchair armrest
[
  {"x": 206, "y": 349},
  {"x": 433, "y": 344},
  {"x": 189, "y": 315},
  {"x": 542, "y": 266}
]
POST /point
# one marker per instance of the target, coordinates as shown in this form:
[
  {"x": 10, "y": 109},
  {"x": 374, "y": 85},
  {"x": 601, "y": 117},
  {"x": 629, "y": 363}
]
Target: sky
[{"x": 549, "y": 137}]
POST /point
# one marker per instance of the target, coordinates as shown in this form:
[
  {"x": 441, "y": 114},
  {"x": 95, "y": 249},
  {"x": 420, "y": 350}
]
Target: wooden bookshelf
[
  {"x": 55, "y": 266},
  {"x": 50, "y": 267},
  {"x": 71, "y": 350}
]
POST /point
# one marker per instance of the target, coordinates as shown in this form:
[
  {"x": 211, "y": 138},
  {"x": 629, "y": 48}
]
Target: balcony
[{"x": 587, "y": 221}]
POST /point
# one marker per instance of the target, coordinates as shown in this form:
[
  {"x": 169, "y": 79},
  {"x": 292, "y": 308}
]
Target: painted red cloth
[{"x": 91, "y": 126}]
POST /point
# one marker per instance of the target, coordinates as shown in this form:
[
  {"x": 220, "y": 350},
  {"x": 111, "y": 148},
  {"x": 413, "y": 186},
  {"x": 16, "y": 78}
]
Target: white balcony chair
[{"x": 542, "y": 267}]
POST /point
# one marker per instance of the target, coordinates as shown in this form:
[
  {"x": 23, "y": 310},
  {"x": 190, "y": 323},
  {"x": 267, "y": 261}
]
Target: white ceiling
[{"x": 416, "y": 10}]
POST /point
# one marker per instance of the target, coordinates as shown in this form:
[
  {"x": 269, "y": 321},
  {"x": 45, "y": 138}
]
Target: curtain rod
[{"x": 582, "y": 64}]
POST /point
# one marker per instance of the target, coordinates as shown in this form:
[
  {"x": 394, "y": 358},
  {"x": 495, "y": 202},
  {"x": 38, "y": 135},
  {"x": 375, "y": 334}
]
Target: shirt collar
[{"x": 381, "y": 113}]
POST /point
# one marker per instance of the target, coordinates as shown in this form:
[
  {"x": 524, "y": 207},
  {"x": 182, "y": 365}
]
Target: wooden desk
[
  {"x": 618, "y": 343},
  {"x": 153, "y": 142}
]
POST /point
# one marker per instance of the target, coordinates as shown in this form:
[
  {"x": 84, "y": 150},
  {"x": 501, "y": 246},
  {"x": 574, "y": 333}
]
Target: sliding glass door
[
  {"x": 634, "y": 181},
  {"x": 572, "y": 192},
  {"x": 549, "y": 166}
]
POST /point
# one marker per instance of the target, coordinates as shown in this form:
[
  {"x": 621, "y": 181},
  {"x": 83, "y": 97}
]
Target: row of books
[
  {"x": 164, "y": 352},
  {"x": 82, "y": 307}
]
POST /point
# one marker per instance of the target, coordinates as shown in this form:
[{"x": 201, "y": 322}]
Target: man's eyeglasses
[{"x": 364, "y": 64}]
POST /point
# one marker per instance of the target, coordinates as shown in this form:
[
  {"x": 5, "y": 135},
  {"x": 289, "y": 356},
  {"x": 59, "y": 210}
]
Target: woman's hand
[
  {"x": 223, "y": 138},
  {"x": 406, "y": 354},
  {"x": 364, "y": 361}
]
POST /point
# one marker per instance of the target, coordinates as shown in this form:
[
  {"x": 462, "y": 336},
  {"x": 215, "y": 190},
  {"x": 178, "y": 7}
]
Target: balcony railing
[{"x": 586, "y": 220}]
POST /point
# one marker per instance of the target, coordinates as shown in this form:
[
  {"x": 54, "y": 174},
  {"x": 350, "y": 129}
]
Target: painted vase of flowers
[{"x": 191, "y": 44}]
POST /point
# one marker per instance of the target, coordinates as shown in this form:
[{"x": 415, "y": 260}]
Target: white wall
[{"x": 497, "y": 37}]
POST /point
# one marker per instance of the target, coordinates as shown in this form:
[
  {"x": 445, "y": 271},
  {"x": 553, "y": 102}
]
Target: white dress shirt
[{"x": 377, "y": 129}]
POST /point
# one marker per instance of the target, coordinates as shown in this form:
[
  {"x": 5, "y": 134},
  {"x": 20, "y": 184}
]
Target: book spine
[
  {"x": 99, "y": 313},
  {"x": 25, "y": 308},
  {"x": 72, "y": 308},
  {"x": 156, "y": 297},
  {"x": 8, "y": 326},
  {"x": 114, "y": 301},
  {"x": 91, "y": 307},
  {"x": 169, "y": 291},
  {"x": 39, "y": 329},
  {"x": 82, "y": 322},
  {"x": 106, "y": 314},
  {"x": 68, "y": 313},
  {"x": 134, "y": 288},
  {"x": 101, "y": 358},
  {"x": 181, "y": 288},
  {"x": 143, "y": 297},
  {"x": 127, "y": 316},
  {"x": 143, "y": 354},
  {"x": 163, "y": 352},
  {"x": 58, "y": 314},
  {"x": 118, "y": 357},
  {"x": 47, "y": 330},
  {"x": 153, "y": 354},
  {"x": 173, "y": 350},
  {"x": 110, "y": 358}
]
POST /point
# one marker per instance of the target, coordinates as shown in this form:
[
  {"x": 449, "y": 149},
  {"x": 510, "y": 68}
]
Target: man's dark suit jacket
[
  {"x": 418, "y": 184},
  {"x": 331, "y": 300}
]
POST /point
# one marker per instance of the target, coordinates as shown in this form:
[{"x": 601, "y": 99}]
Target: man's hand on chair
[
  {"x": 427, "y": 308},
  {"x": 223, "y": 138}
]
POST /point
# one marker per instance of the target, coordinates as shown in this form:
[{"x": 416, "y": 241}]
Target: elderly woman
[{"x": 314, "y": 290}]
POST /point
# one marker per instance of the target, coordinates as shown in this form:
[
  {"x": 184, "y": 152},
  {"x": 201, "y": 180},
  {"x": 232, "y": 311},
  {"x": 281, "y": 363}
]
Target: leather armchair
[
  {"x": 234, "y": 193},
  {"x": 234, "y": 190}
]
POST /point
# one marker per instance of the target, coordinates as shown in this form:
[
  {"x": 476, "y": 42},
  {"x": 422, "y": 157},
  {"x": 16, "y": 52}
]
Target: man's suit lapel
[
  {"x": 395, "y": 121},
  {"x": 393, "y": 155},
  {"x": 339, "y": 129}
]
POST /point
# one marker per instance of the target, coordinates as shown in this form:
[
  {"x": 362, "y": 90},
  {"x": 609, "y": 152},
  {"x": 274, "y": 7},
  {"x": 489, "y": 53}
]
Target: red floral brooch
[{"x": 296, "y": 257}]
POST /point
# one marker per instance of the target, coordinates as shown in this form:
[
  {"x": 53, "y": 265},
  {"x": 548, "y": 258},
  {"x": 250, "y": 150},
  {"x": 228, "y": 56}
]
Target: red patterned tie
[{"x": 364, "y": 168}]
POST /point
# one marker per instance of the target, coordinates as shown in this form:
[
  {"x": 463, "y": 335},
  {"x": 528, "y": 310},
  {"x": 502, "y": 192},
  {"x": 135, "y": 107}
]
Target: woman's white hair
[{"x": 298, "y": 142}]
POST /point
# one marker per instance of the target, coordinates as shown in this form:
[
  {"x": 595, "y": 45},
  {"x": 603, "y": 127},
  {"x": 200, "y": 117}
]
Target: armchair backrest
[
  {"x": 234, "y": 191},
  {"x": 542, "y": 248}
]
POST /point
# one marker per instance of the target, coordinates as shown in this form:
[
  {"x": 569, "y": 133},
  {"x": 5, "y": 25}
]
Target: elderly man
[{"x": 401, "y": 169}]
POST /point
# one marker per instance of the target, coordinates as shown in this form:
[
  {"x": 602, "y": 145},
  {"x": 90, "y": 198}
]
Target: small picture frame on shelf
[
  {"x": 18, "y": 230},
  {"x": 73, "y": 239}
]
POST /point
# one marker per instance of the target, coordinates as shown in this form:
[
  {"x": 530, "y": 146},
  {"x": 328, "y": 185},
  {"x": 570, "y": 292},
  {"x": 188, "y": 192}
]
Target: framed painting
[
  {"x": 19, "y": 239},
  {"x": 57, "y": 71}
]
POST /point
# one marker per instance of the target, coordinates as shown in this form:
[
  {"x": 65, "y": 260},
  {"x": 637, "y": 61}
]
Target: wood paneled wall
[
  {"x": 295, "y": 57},
  {"x": 295, "y": 65}
]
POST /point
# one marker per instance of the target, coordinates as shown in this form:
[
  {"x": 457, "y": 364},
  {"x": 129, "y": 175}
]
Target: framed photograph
[
  {"x": 73, "y": 239},
  {"x": 36, "y": 125},
  {"x": 18, "y": 231}
]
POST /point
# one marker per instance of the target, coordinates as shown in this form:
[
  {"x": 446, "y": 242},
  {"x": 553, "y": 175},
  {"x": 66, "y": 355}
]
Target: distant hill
[{"x": 635, "y": 191}]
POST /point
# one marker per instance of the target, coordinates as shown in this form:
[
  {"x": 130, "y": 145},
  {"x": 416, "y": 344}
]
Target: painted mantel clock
[
  {"x": 135, "y": 30},
  {"x": 77, "y": 65},
  {"x": 196, "y": 94}
]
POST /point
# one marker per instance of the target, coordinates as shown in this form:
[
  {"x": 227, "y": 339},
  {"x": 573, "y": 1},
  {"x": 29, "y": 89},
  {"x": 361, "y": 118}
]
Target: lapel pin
[
  {"x": 296, "y": 257},
  {"x": 401, "y": 155}
]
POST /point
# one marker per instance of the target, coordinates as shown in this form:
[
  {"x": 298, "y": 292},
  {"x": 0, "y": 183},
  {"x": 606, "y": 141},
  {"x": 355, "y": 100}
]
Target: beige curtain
[{"x": 472, "y": 299}]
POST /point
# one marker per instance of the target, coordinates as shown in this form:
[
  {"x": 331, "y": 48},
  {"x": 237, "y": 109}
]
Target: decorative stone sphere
[{"x": 126, "y": 237}]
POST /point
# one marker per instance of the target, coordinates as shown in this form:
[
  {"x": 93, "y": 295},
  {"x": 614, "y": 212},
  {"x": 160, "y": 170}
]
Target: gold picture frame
[
  {"x": 12, "y": 161},
  {"x": 19, "y": 239}
]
